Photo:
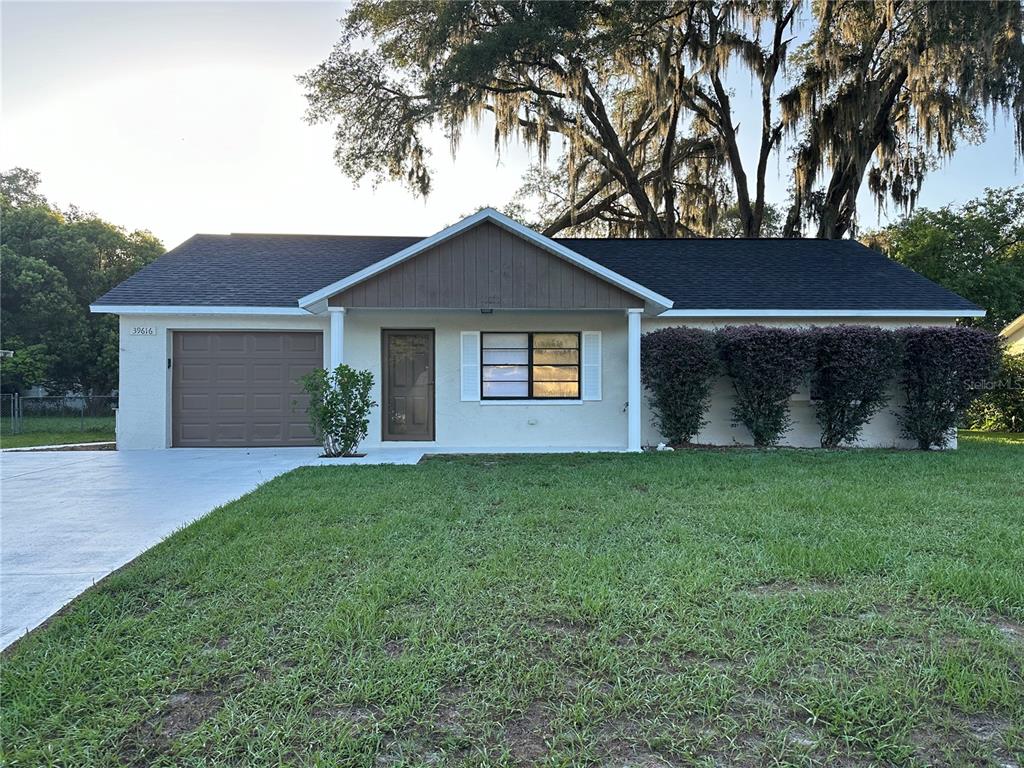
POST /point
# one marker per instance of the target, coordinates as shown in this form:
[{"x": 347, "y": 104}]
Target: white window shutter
[
  {"x": 470, "y": 365},
  {"x": 591, "y": 365}
]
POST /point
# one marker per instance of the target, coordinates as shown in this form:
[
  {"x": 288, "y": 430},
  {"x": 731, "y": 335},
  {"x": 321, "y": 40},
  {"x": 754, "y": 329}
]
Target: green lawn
[
  {"x": 693, "y": 608},
  {"x": 975, "y": 437},
  {"x": 54, "y": 438},
  {"x": 57, "y": 430}
]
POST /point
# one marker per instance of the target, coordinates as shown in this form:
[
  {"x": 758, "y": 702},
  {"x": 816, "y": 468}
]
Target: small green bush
[
  {"x": 339, "y": 407},
  {"x": 943, "y": 370},
  {"x": 767, "y": 365},
  {"x": 853, "y": 365},
  {"x": 678, "y": 367},
  {"x": 1001, "y": 408}
]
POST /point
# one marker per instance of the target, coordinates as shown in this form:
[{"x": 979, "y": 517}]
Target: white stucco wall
[
  {"x": 590, "y": 425},
  {"x": 145, "y": 380}
]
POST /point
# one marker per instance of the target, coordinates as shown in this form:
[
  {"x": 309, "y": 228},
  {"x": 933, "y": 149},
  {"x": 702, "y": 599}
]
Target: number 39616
[{"x": 140, "y": 330}]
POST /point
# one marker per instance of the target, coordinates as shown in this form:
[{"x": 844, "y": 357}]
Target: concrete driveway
[{"x": 69, "y": 518}]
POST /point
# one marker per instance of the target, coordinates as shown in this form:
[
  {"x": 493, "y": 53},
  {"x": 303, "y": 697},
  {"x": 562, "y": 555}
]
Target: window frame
[{"x": 529, "y": 368}]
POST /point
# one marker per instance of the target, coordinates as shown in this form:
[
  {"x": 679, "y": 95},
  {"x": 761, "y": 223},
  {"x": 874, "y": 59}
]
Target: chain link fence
[{"x": 69, "y": 414}]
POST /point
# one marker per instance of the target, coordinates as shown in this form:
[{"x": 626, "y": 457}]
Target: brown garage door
[{"x": 233, "y": 389}]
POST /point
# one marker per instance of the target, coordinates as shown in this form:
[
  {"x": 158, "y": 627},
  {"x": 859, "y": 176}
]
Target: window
[{"x": 518, "y": 366}]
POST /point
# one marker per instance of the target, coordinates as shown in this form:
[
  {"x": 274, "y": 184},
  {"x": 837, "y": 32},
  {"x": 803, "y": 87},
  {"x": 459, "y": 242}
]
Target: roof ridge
[
  {"x": 556, "y": 238},
  {"x": 293, "y": 234},
  {"x": 714, "y": 239}
]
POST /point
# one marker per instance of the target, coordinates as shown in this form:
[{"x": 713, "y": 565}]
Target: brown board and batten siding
[{"x": 486, "y": 267}]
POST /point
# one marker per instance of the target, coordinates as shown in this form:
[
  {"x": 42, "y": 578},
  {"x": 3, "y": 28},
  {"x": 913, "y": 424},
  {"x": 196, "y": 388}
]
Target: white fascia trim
[
  {"x": 503, "y": 221},
  {"x": 166, "y": 309},
  {"x": 823, "y": 313}
]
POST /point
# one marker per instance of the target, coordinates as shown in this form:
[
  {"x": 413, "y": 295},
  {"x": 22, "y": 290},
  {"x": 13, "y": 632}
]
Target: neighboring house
[
  {"x": 486, "y": 335},
  {"x": 1013, "y": 336}
]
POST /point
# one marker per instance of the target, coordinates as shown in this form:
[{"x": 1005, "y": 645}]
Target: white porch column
[
  {"x": 633, "y": 378},
  {"x": 337, "y": 356}
]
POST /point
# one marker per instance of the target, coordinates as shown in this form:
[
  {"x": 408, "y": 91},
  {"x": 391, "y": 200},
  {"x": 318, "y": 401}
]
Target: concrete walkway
[{"x": 69, "y": 518}]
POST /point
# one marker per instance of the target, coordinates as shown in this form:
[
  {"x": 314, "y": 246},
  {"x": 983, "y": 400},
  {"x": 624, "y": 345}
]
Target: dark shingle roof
[
  {"x": 769, "y": 274},
  {"x": 251, "y": 270},
  {"x": 277, "y": 270}
]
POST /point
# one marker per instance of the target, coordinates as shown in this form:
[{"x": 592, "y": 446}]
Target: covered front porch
[
  {"x": 440, "y": 388},
  {"x": 489, "y": 334}
]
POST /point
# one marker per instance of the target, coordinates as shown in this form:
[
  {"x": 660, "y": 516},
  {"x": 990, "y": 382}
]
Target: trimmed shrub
[
  {"x": 943, "y": 371},
  {"x": 853, "y": 365},
  {"x": 678, "y": 366},
  {"x": 1001, "y": 407},
  {"x": 767, "y": 366},
  {"x": 339, "y": 407}
]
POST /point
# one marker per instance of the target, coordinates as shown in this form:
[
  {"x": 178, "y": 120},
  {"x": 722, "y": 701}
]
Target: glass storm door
[{"x": 408, "y": 385}]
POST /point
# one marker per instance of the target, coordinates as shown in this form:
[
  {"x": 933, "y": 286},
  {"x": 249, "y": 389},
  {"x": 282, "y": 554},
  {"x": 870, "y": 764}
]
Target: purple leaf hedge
[
  {"x": 678, "y": 367},
  {"x": 767, "y": 365},
  {"x": 942, "y": 371},
  {"x": 851, "y": 371}
]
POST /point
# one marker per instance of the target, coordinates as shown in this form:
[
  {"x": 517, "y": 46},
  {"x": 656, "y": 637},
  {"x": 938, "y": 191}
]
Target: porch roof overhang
[{"x": 654, "y": 302}]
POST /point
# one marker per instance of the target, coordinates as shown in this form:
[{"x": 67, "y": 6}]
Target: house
[
  {"x": 1013, "y": 336},
  {"x": 484, "y": 336}
]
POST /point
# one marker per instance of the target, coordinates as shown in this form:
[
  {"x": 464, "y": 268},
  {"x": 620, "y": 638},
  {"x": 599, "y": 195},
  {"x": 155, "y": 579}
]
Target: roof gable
[
  {"x": 497, "y": 219},
  {"x": 485, "y": 267}
]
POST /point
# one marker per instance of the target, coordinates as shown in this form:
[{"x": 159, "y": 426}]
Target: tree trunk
[
  {"x": 619, "y": 164},
  {"x": 840, "y": 205},
  {"x": 332, "y": 446},
  {"x": 667, "y": 173},
  {"x": 792, "y": 228}
]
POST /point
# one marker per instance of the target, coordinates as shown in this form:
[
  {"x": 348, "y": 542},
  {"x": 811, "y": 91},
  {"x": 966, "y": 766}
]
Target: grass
[
  {"x": 750, "y": 608},
  {"x": 57, "y": 430},
  {"x": 976, "y": 437},
  {"x": 29, "y": 439}
]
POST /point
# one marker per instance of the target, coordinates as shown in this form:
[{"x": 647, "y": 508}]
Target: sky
[{"x": 186, "y": 117}]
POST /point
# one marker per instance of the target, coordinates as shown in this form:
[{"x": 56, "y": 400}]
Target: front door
[{"x": 408, "y": 385}]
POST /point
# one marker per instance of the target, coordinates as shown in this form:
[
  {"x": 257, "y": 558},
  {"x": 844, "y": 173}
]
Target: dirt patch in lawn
[
  {"x": 181, "y": 714},
  {"x": 562, "y": 627},
  {"x": 185, "y": 712},
  {"x": 988, "y": 728},
  {"x": 220, "y": 644},
  {"x": 879, "y": 611},
  {"x": 622, "y": 754},
  {"x": 1011, "y": 630},
  {"x": 448, "y": 718},
  {"x": 949, "y": 744},
  {"x": 622, "y": 746},
  {"x": 527, "y": 735},
  {"x": 394, "y": 648},
  {"x": 783, "y": 588}
]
